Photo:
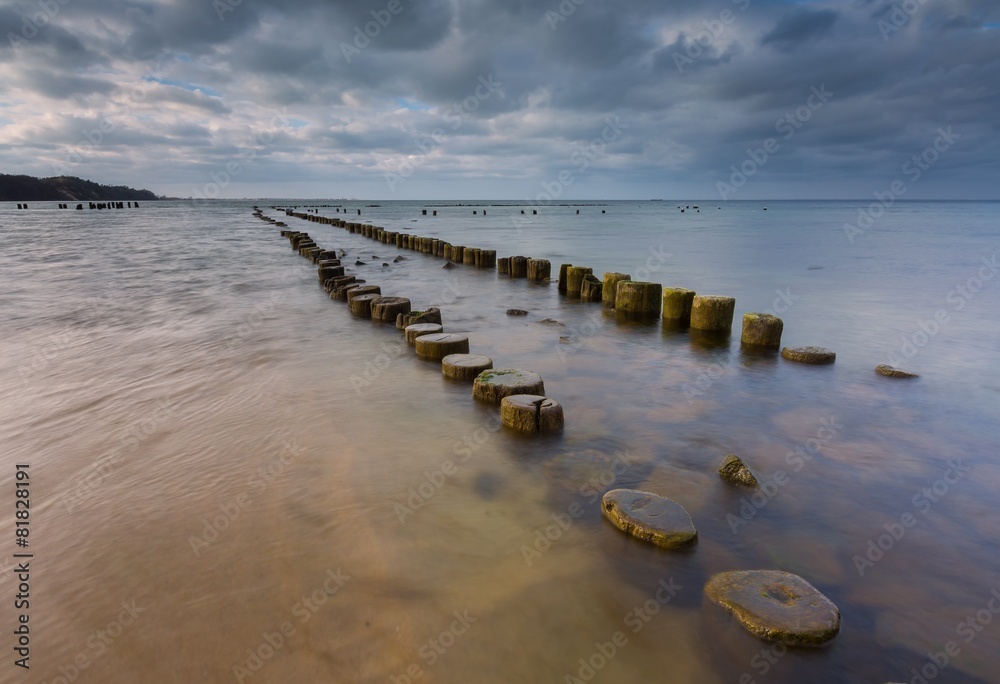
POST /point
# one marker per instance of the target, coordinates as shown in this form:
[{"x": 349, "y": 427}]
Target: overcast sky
[{"x": 440, "y": 99}]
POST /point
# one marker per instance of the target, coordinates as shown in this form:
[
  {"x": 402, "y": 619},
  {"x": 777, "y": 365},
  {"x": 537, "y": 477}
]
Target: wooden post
[
  {"x": 713, "y": 313},
  {"x": 574, "y": 279},
  {"x": 610, "y": 287},
  {"x": 642, "y": 300},
  {"x": 677, "y": 303}
]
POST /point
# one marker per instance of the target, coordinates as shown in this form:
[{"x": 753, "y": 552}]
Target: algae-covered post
[
  {"x": 609, "y": 290},
  {"x": 493, "y": 385},
  {"x": 574, "y": 279},
  {"x": 638, "y": 299},
  {"x": 677, "y": 302},
  {"x": 563, "y": 269},
  {"x": 713, "y": 313},
  {"x": 761, "y": 331},
  {"x": 591, "y": 289}
]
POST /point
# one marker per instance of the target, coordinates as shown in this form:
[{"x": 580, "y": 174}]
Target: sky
[{"x": 507, "y": 99}]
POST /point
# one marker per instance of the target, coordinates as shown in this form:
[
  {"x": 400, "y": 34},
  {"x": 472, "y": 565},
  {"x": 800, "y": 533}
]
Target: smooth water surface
[{"x": 233, "y": 480}]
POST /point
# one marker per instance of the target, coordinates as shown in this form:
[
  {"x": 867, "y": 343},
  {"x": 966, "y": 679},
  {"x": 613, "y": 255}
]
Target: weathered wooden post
[
  {"x": 591, "y": 288},
  {"x": 563, "y": 268},
  {"x": 762, "y": 331},
  {"x": 539, "y": 270},
  {"x": 712, "y": 313},
  {"x": 609, "y": 291},
  {"x": 574, "y": 279},
  {"x": 677, "y": 302}
]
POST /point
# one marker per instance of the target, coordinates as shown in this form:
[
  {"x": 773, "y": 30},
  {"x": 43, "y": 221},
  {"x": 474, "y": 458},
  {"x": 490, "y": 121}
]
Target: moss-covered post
[
  {"x": 610, "y": 287},
  {"x": 563, "y": 269},
  {"x": 591, "y": 289},
  {"x": 761, "y": 331},
  {"x": 638, "y": 299},
  {"x": 677, "y": 303},
  {"x": 574, "y": 279},
  {"x": 712, "y": 313}
]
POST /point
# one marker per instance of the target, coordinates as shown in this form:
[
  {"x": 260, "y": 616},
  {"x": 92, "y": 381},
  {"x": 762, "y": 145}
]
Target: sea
[{"x": 231, "y": 479}]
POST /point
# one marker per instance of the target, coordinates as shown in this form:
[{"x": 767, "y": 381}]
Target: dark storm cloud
[
  {"x": 506, "y": 90},
  {"x": 800, "y": 27}
]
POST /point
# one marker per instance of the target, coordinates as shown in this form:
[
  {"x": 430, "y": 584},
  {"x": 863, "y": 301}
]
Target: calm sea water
[{"x": 233, "y": 480}]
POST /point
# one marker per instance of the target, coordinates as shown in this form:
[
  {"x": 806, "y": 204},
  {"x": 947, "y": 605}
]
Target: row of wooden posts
[
  {"x": 102, "y": 205},
  {"x": 678, "y": 306},
  {"x": 459, "y": 254},
  {"x": 519, "y": 393},
  {"x": 523, "y": 406}
]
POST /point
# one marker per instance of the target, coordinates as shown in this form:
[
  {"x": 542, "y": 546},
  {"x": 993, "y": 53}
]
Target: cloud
[
  {"x": 799, "y": 28},
  {"x": 344, "y": 93}
]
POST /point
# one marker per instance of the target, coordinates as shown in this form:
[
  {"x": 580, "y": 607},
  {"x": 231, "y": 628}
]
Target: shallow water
[{"x": 212, "y": 441}]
